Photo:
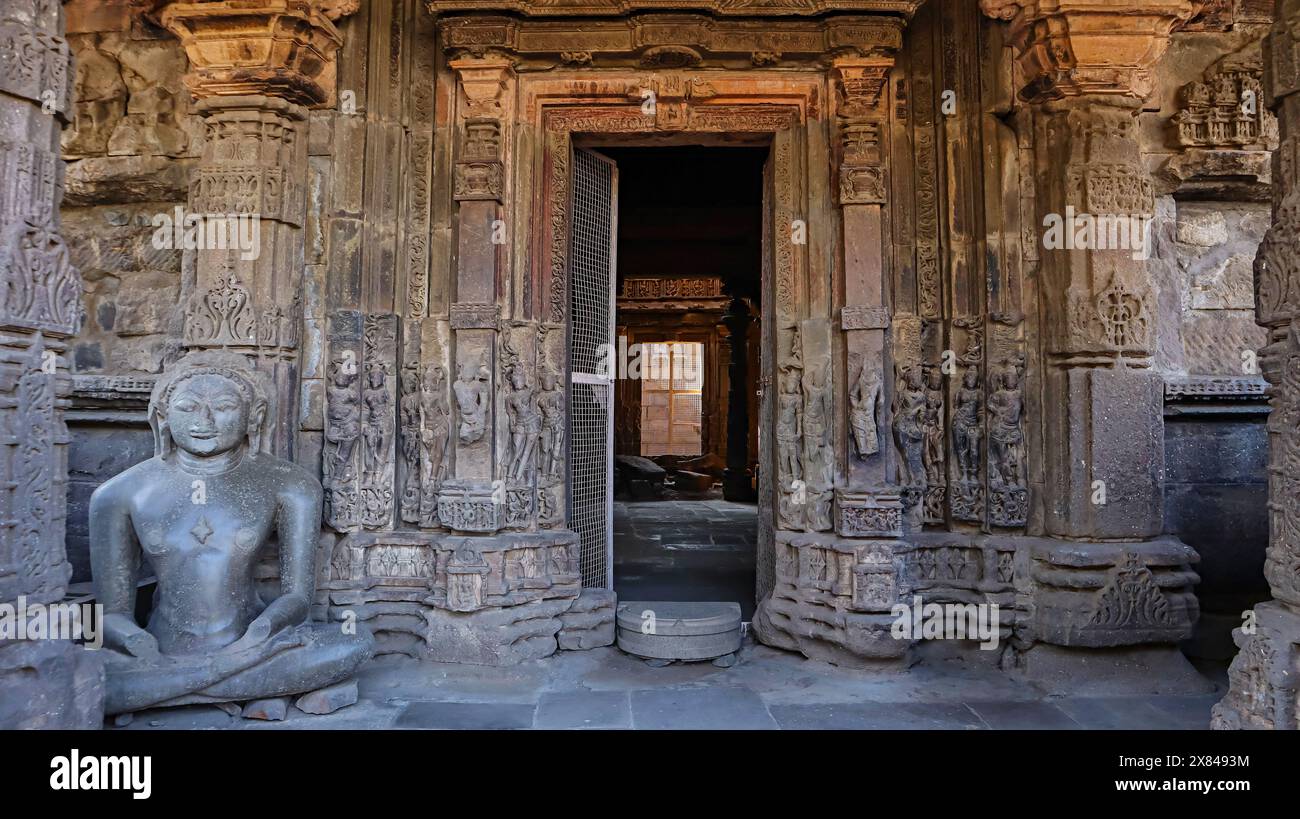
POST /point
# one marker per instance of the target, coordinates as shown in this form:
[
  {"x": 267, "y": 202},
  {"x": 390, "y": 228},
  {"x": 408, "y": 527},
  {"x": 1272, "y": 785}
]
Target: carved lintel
[
  {"x": 471, "y": 316},
  {"x": 679, "y": 41}
]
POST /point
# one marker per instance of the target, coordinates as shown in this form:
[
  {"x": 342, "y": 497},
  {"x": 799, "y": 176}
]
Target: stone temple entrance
[
  {"x": 689, "y": 250},
  {"x": 940, "y": 407}
]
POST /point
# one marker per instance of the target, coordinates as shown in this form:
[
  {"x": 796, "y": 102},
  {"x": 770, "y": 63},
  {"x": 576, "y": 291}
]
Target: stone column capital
[
  {"x": 278, "y": 48},
  {"x": 1069, "y": 48},
  {"x": 860, "y": 82},
  {"x": 483, "y": 80}
]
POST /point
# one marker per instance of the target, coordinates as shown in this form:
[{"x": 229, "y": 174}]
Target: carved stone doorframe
[
  {"x": 817, "y": 92},
  {"x": 688, "y": 108}
]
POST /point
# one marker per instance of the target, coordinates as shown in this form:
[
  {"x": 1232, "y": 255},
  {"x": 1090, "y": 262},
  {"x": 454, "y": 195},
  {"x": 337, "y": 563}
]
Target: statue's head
[
  {"x": 548, "y": 379},
  {"x": 209, "y": 403},
  {"x": 410, "y": 382}
]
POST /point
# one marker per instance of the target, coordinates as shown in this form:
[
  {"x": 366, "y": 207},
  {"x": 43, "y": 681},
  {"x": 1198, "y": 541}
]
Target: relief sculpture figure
[
  {"x": 864, "y": 413},
  {"x": 967, "y": 422},
  {"x": 472, "y": 401},
  {"x": 550, "y": 401},
  {"x": 1006, "y": 439},
  {"x": 909, "y": 427},
  {"x": 525, "y": 425}
]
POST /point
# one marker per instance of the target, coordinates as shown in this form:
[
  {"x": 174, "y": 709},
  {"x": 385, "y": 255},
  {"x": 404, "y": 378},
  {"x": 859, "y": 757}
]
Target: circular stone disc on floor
[{"x": 673, "y": 630}]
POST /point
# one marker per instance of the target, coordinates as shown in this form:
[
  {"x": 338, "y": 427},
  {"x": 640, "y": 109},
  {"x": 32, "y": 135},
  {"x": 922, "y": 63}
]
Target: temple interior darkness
[{"x": 691, "y": 215}]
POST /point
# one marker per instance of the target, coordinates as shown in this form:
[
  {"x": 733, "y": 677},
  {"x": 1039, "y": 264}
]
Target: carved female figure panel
[
  {"x": 525, "y": 425},
  {"x": 932, "y": 455},
  {"x": 967, "y": 425},
  {"x": 343, "y": 413},
  {"x": 909, "y": 427},
  {"x": 378, "y": 423},
  {"x": 865, "y": 406},
  {"x": 1006, "y": 440},
  {"x": 550, "y": 401},
  {"x": 435, "y": 428},
  {"x": 471, "y": 390},
  {"x": 789, "y": 426},
  {"x": 200, "y": 512}
]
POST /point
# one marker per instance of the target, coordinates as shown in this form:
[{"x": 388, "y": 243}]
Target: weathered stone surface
[
  {"x": 328, "y": 700},
  {"x": 277, "y": 708},
  {"x": 497, "y": 636},
  {"x": 589, "y": 622}
]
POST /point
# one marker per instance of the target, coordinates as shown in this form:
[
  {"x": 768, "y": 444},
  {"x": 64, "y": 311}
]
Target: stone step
[{"x": 664, "y": 630}]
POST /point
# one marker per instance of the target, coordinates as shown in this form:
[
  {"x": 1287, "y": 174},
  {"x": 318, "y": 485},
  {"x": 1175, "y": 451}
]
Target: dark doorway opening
[{"x": 690, "y": 254}]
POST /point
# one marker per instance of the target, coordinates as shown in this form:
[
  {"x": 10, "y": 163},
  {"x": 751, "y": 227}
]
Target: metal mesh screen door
[{"x": 592, "y": 232}]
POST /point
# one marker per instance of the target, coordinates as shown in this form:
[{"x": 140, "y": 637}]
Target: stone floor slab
[
  {"x": 1023, "y": 716},
  {"x": 877, "y": 716},
  {"x": 566, "y": 710},
  {"x": 712, "y": 708},
  {"x": 479, "y": 716}
]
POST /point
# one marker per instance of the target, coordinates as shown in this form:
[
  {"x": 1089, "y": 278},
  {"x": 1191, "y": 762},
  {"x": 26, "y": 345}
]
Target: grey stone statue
[{"x": 200, "y": 512}]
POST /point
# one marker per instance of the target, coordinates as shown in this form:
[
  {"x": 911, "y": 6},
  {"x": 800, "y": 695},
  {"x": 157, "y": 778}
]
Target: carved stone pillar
[
  {"x": 1085, "y": 70},
  {"x": 47, "y": 683},
  {"x": 1264, "y": 677},
  {"x": 255, "y": 70},
  {"x": 472, "y": 500},
  {"x": 869, "y": 503},
  {"x": 736, "y": 482}
]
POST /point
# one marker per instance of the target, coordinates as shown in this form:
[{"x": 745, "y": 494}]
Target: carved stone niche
[
  {"x": 1226, "y": 131},
  {"x": 667, "y": 41},
  {"x": 1113, "y": 594}
]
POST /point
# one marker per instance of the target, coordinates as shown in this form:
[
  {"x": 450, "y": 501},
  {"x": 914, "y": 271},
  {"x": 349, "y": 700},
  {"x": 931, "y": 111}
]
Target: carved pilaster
[
  {"x": 861, "y": 107},
  {"x": 255, "y": 68},
  {"x": 1084, "y": 70},
  {"x": 1264, "y": 689},
  {"x": 48, "y": 683},
  {"x": 493, "y": 486}
]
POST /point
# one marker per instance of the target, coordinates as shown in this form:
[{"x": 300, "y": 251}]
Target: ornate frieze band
[
  {"x": 677, "y": 41},
  {"x": 737, "y": 8}
]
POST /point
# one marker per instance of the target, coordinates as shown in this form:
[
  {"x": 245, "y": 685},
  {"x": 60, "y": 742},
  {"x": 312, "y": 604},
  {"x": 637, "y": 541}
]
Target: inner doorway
[{"x": 689, "y": 245}]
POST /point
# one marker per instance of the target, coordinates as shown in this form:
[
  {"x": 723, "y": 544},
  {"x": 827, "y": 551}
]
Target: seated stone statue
[{"x": 201, "y": 511}]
